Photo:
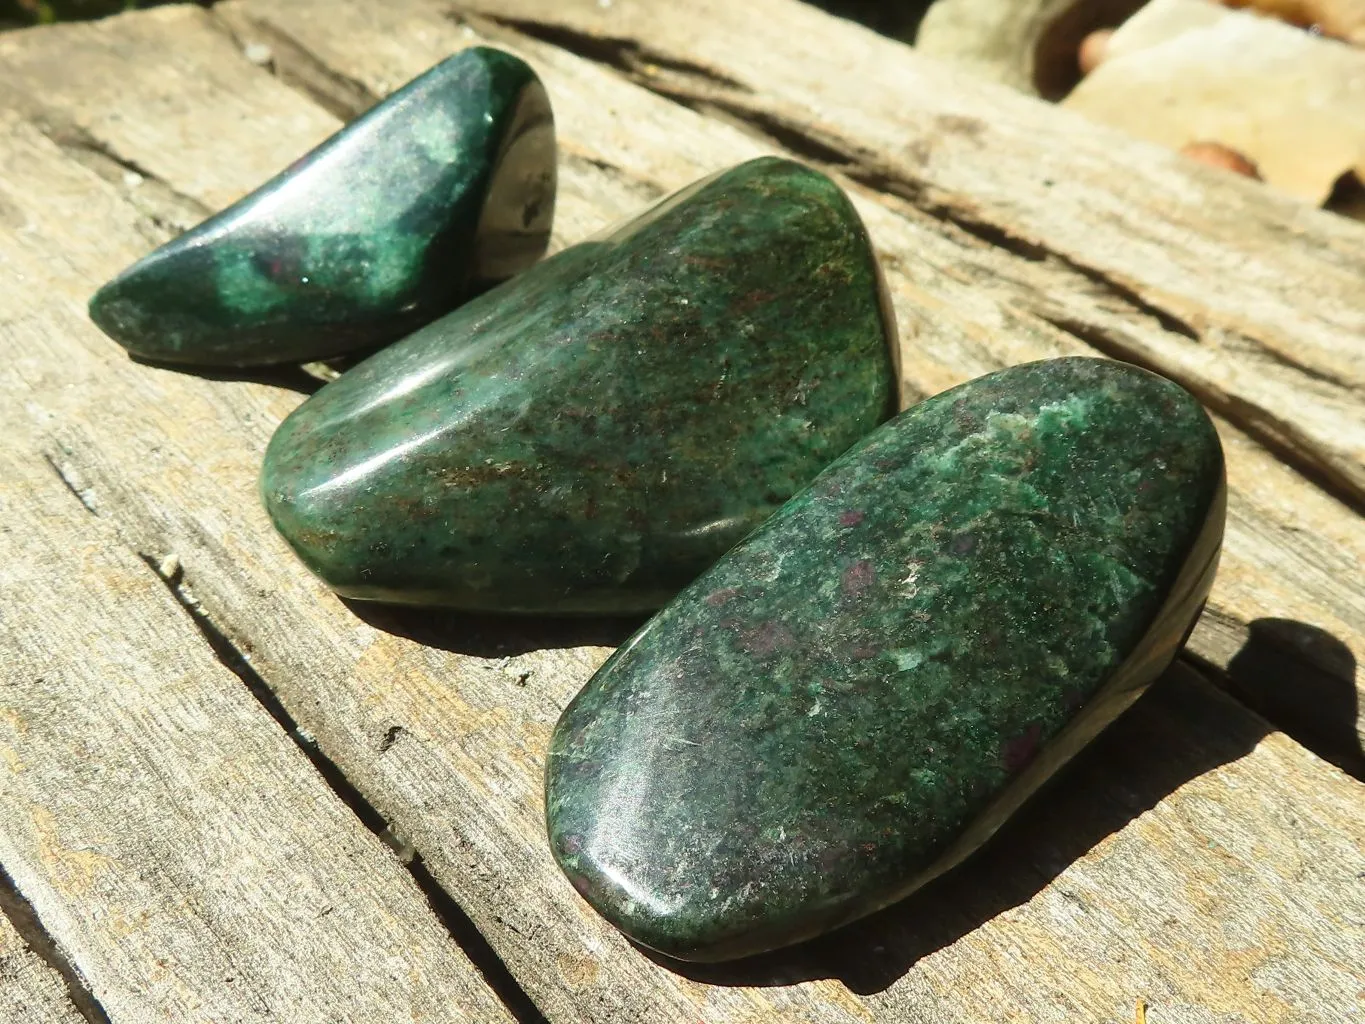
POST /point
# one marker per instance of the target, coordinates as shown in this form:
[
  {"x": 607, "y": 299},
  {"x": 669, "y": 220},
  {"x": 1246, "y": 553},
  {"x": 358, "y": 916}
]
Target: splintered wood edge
[
  {"x": 172, "y": 839},
  {"x": 448, "y": 746},
  {"x": 32, "y": 989}
]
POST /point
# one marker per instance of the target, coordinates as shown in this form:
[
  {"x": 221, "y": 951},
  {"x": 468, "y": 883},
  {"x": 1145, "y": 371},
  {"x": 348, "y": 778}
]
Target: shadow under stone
[
  {"x": 493, "y": 636},
  {"x": 294, "y": 376},
  {"x": 286, "y": 375},
  {"x": 1302, "y": 679}
]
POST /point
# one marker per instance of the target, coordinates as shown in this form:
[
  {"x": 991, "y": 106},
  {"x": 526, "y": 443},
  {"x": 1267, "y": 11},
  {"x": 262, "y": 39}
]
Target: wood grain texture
[
  {"x": 1265, "y": 330},
  {"x": 965, "y": 308},
  {"x": 31, "y": 991},
  {"x": 1190, "y": 858},
  {"x": 170, "y": 836}
]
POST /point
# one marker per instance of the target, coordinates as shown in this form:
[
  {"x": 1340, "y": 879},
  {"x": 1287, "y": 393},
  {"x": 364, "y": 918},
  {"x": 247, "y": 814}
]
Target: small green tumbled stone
[
  {"x": 592, "y": 435},
  {"x": 442, "y": 189},
  {"x": 860, "y": 693}
]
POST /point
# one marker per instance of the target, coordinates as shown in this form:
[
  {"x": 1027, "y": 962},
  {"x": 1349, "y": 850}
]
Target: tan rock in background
[
  {"x": 1342, "y": 19},
  {"x": 1186, "y": 71}
]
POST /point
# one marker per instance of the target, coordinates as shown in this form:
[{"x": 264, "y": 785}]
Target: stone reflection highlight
[
  {"x": 590, "y": 436},
  {"x": 861, "y": 692},
  {"x": 439, "y": 191}
]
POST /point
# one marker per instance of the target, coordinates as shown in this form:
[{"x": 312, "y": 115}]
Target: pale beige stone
[{"x": 1185, "y": 71}]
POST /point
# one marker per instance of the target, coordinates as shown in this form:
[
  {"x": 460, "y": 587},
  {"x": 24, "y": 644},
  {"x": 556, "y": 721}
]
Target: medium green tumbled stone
[
  {"x": 593, "y": 434},
  {"x": 445, "y": 187},
  {"x": 861, "y": 692}
]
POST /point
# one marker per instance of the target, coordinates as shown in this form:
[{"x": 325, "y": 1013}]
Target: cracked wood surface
[
  {"x": 30, "y": 990},
  {"x": 1038, "y": 302},
  {"x": 169, "y": 835},
  {"x": 1293, "y": 553},
  {"x": 1267, "y": 329},
  {"x": 1191, "y": 857}
]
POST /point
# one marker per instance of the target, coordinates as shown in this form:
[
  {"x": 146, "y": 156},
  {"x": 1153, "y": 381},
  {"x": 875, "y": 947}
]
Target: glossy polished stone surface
[
  {"x": 442, "y": 189},
  {"x": 592, "y": 435},
  {"x": 860, "y": 693}
]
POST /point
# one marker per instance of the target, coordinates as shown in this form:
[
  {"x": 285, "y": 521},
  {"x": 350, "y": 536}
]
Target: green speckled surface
[
  {"x": 592, "y": 435},
  {"x": 859, "y": 693},
  {"x": 444, "y": 187}
]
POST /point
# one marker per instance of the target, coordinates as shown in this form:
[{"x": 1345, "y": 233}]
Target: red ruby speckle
[
  {"x": 858, "y": 577},
  {"x": 768, "y": 638},
  {"x": 851, "y": 518}
]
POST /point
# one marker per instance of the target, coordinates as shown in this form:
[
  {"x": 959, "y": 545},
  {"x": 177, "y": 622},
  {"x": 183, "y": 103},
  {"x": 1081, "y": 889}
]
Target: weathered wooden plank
[
  {"x": 447, "y": 743},
  {"x": 30, "y": 990},
  {"x": 1266, "y": 331},
  {"x": 168, "y": 833},
  {"x": 962, "y": 307},
  {"x": 961, "y": 304}
]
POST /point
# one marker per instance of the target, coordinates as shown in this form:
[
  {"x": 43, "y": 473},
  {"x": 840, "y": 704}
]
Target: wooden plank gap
[
  {"x": 296, "y": 66},
  {"x": 1199, "y": 900},
  {"x": 696, "y": 88},
  {"x": 624, "y": 53},
  {"x": 166, "y": 211},
  {"x": 687, "y": 71},
  {"x": 704, "y": 90},
  {"x": 480, "y": 952},
  {"x": 20, "y": 913}
]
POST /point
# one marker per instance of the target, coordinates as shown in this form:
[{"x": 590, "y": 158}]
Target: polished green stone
[
  {"x": 442, "y": 189},
  {"x": 861, "y": 692},
  {"x": 593, "y": 434}
]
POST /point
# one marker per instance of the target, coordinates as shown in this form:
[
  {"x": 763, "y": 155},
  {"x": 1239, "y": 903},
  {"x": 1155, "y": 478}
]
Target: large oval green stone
[
  {"x": 593, "y": 434},
  {"x": 862, "y": 691},
  {"x": 442, "y": 189}
]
